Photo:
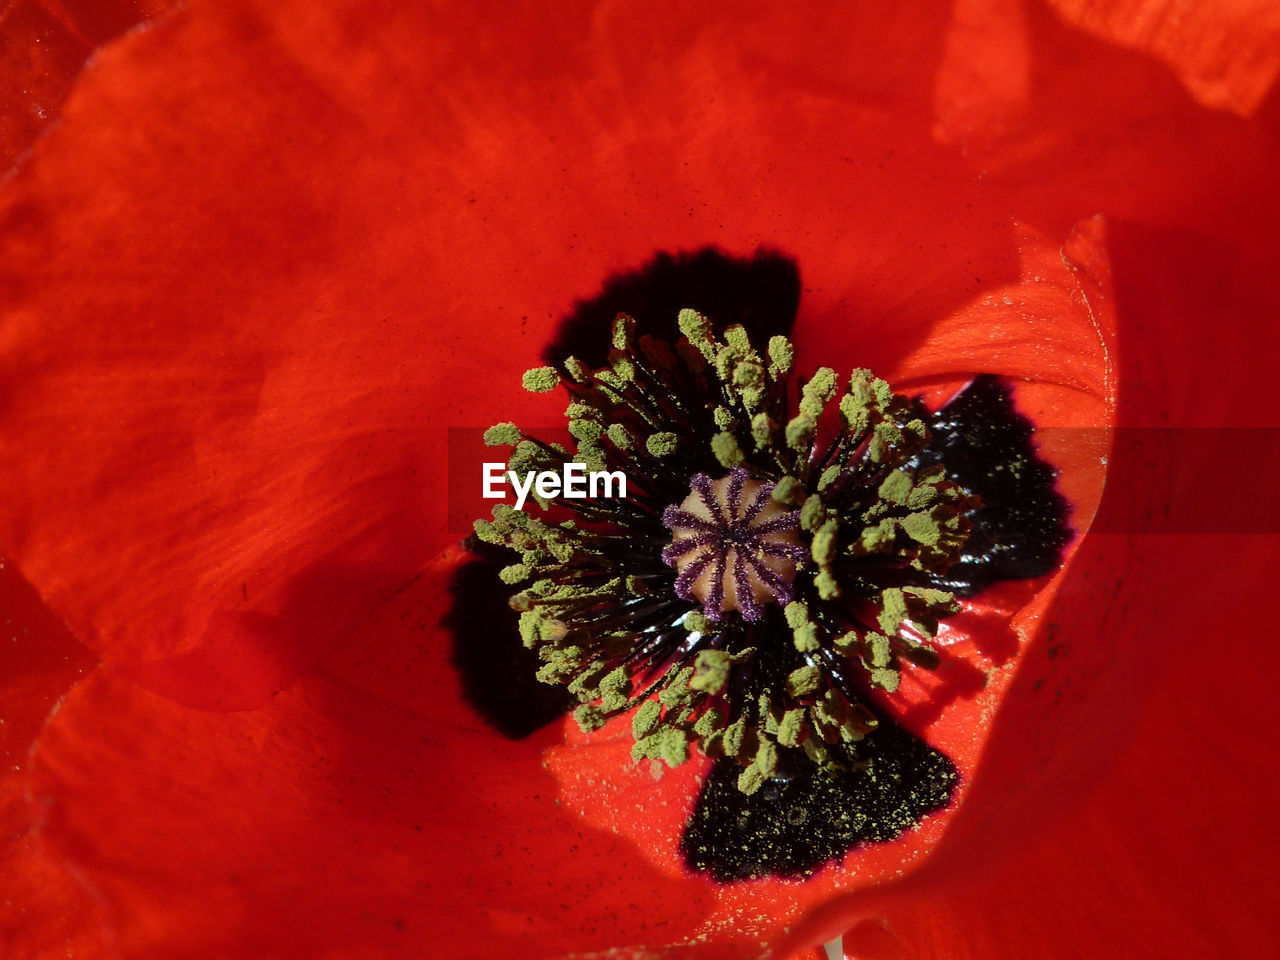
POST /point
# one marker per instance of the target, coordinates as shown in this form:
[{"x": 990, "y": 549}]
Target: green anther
[
  {"x": 586, "y": 431},
  {"x": 860, "y": 385},
  {"x": 879, "y": 538},
  {"x": 922, "y": 495},
  {"x": 662, "y": 444},
  {"x": 767, "y": 759},
  {"x": 805, "y": 638},
  {"x": 896, "y": 487},
  {"x": 586, "y": 684},
  {"x": 816, "y": 751},
  {"x": 829, "y": 476},
  {"x": 488, "y": 533},
  {"x": 893, "y": 610},
  {"x": 781, "y": 356},
  {"x": 735, "y": 735},
  {"x": 725, "y": 447},
  {"x": 748, "y": 374},
  {"x": 735, "y": 335},
  {"x": 676, "y": 692},
  {"x": 711, "y": 671},
  {"x": 711, "y": 721},
  {"x": 815, "y": 394},
  {"x": 788, "y": 491},
  {"x": 762, "y": 431},
  {"x": 502, "y": 435},
  {"x": 645, "y": 719},
  {"x": 624, "y": 369},
  {"x": 697, "y": 329},
  {"x": 921, "y": 528},
  {"x": 514, "y": 573},
  {"x": 797, "y": 614},
  {"x": 527, "y": 456},
  {"x": 551, "y": 630},
  {"x": 613, "y": 701},
  {"x": 726, "y": 362},
  {"x": 878, "y": 649},
  {"x": 933, "y": 597},
  {"x": 800, "y": 431},
  {"x": 621, "y": 437},
  {"x": 541, "y": 379},
  {"x": 673, "y": 746},
  {"x": 813, "y": 514},
  {"x": 589, "y": 718},
  {"x": 823, "y": 548},
  {"x": 803, "y": 681},
  {"x": 529, "y": 634},
  {"x": 695, "y": 622},
  {"x": 855, "y": 415},
  {"x": 722, "y": 417},
  {"x": 578, "y": 371},
  {"x": 560, "y": 549},
  {"x": 751, "y": 779},
  {"x": 617, "y": 679},
  {"x": 791, "y": 727},
  {"x": 847, "y": 643},
  {"x": 624, "y": 328},
  {"x": 886, "y": 679},
  {"x": 827, "y": 585}
]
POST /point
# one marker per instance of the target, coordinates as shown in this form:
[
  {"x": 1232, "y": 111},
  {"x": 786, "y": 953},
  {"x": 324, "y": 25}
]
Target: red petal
[
  {"x": 44, "y": 46},
  {"x": 47, "y": 908},
  {"x": 1227, "y": 53},
  {"x": 249, "y": 314}
]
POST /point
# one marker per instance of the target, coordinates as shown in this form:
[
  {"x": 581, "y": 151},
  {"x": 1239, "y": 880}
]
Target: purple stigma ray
[
  {"x": 716, "y": 600},
  {"x": 780, "y": 587},
  {"x": 702, "y": 484},
  {"x": 684, "y": 582},
  {"x": 679, "y": 548},
  {"x": 751, "y": 609},
  {"x": 673, "y": 517},
  {"x": 759, "y": 503},
  {"x": 737, "y": 480},
  {"x": 788, "y": 550},
  {"x": 720, "y": 557}
]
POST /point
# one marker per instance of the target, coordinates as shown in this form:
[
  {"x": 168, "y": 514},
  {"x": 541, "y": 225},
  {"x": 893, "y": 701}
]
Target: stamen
[{"x": 845, "y": 539}]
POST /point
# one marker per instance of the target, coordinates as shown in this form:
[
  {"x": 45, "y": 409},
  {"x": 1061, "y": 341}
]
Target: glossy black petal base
[
  {"x": 761, "y": 292},
  {"x": 497, "y": 672},
  {"x": 790, "y": 828},
  {"x": 985, "y": 445}
]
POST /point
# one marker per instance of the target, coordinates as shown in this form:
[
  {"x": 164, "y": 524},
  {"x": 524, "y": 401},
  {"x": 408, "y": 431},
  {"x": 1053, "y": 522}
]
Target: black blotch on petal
[
  {"x": 497, "y": 671},
  {"x": 761, "y": 292},
  {"x": 790, "y": 828},
  {"x": 985, "y": 445}
]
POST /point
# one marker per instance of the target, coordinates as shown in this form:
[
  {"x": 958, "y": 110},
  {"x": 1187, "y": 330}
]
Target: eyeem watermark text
[{"x": 574, "y": 483}]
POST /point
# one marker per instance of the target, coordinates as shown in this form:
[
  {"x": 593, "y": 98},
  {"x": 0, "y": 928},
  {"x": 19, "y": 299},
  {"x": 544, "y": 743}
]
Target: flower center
[{"x": 733, "y": 546}]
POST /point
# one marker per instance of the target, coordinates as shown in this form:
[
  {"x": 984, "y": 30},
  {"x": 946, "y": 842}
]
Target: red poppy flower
[{"x": 276, "y": 251}]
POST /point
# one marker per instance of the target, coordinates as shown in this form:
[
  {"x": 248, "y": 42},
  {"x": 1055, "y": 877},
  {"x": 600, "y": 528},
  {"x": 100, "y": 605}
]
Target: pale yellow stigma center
[{"x": 734, "y": 536}]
